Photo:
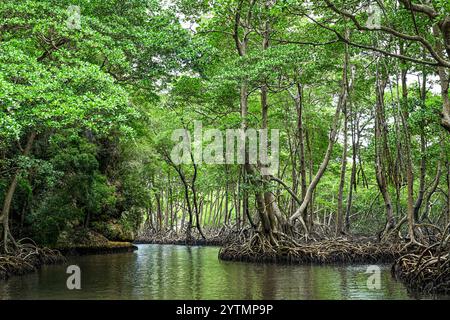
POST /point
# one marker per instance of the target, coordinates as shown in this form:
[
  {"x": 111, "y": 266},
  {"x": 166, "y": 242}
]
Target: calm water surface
[{"x": 180, "y": 272}]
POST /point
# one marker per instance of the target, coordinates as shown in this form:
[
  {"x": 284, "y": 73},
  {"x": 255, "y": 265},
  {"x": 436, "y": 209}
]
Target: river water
[{"x": 181, "y": 272}]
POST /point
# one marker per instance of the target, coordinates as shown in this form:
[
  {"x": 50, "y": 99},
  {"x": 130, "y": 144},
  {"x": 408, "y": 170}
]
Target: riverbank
[
  {"x": 426, "y": 272},
  {"x": 213, "y": 237},
  {"x": 85, "y": 241},
  {"x": 105, "y": 248},
  {"x": 30, "y": 258},
  {"x": 182, "y": 242}
]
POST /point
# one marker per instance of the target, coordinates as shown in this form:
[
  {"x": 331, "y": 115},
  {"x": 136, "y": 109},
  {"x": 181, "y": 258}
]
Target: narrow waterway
[{"x": 181, "y": 272}]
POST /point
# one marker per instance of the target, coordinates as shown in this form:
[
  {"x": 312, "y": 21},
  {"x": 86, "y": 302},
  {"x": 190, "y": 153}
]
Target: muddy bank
[
  {"x": 84, "y": 241},
  {"x": 106, "y": 248},
  {"x": 31, "y": 258},
  {"x": 28, "y": 257}
]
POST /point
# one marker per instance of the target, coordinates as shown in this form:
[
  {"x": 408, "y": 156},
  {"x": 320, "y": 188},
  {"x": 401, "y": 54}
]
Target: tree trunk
[
  {"x": 420, "y": 196},
  {"x": 432, "y": 191},
  {"x": 4, "y": 217},
  {"x": 380, "y": 135},
  {"x": 310, "y": 169},
  {"x": 423, "y": 150},
  {"x": 340, "y": 209},
  {"x": 448, "y": 192},
  {"x": 355, "y": 144},
  {"x": 332, "y": 138},
  {"x": 301, "y": 140},
  {"x": 194, "y": 194},
  {"x": 444, "y": 28},
  {"x": 300, "y": 213},
  {"x": 409, "y": 165}
]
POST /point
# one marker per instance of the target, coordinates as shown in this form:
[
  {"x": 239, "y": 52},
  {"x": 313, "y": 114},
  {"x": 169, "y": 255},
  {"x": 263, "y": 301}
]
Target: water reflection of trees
[{"x": 179, "y": 272}]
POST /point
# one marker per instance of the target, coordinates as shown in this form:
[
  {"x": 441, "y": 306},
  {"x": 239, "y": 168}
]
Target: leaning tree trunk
[
  {"x": 301, "y": 211},
  {"x": 4, "y": 217},
  {"x": 380, "y": 136}
]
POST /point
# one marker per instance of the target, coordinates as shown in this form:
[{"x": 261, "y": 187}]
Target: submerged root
[{"x": 26, "y": 258}]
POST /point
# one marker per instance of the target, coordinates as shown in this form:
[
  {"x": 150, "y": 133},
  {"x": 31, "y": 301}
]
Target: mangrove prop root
[
  {"x": 26, "y": 257},
  {"x": 339, "y": 250},
  {"x": 426, "y": 272}
]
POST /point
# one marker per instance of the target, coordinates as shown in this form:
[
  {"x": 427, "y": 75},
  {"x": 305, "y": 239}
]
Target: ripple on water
[{"x": 180, "y": 272}]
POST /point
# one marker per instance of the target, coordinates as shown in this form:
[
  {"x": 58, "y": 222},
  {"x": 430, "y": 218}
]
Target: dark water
[{"x": 179, "y": 272}]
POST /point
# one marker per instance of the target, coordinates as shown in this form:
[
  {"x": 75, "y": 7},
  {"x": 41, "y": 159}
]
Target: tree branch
[{"x": 417, "y": 38}]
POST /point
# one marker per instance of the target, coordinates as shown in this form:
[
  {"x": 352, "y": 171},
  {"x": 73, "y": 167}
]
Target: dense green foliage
[
  {"x": 79, "y": 90},
  {"x": 104, "y": 99}
]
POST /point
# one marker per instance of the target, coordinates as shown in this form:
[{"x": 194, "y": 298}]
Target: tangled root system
[
  {"x": 27, "y": 257},
  {"x": 259, "y": 249}
]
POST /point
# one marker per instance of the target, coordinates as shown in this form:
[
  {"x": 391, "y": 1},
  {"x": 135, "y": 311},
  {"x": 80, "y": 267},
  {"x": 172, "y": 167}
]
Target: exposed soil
[{"x": 106, "y": 248}]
